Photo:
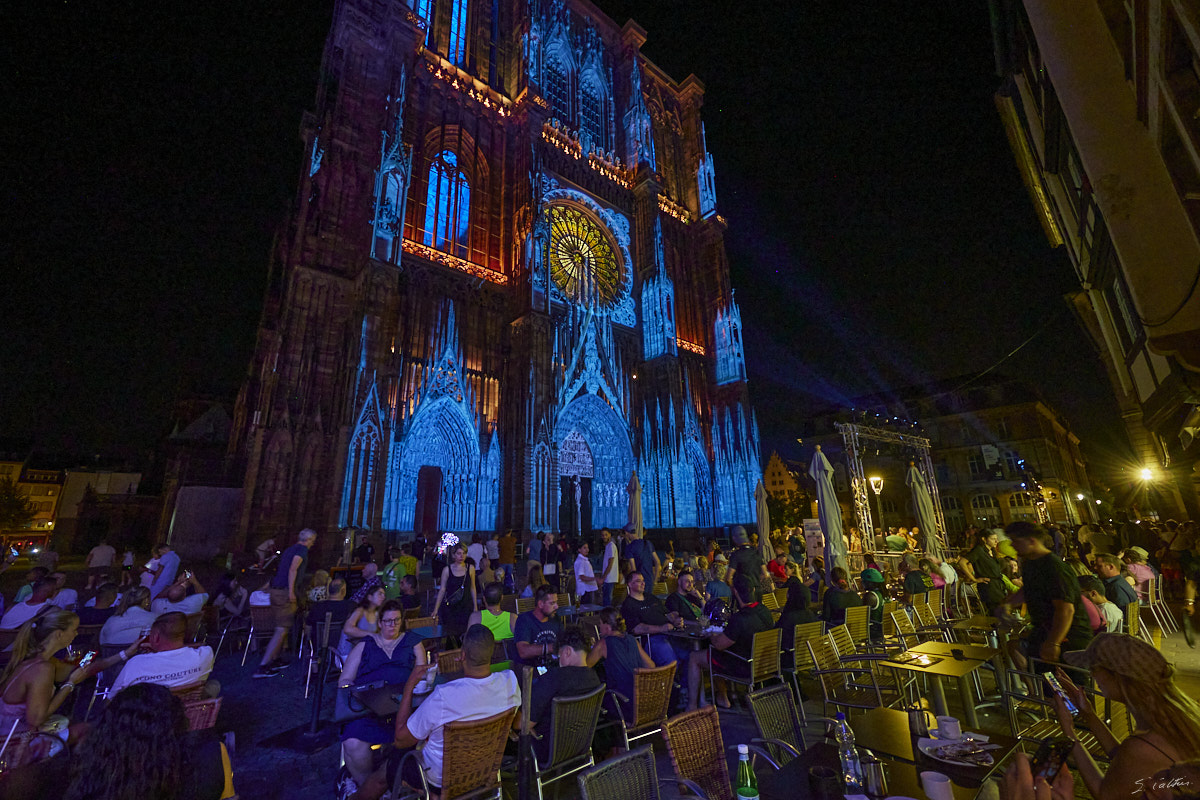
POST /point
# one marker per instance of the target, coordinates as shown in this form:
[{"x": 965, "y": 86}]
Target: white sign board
[{"x": 814, "y": 539}]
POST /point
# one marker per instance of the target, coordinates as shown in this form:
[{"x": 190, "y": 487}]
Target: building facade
[
  {"x": 778, "y": 479},
  {"x": 1100, "y": 102},
  {"x": 502, "y": 291}
]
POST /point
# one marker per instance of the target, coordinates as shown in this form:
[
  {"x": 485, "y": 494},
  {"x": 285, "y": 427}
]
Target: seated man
[
  {"x": 169, "y": 661},
  {"x": 31, "y": 578},
  {"x": 572, "y": 678},
  {"x": 408, "y": 592},
  {"x": 685, "y": 601},
  {"x": 337, "y": 604},
  {"x": 1091, "y": 588},
  {"x": 23, "y": 611},
  {"x": 777, "y": 566},
  {"x": 738, "y": 638},
  {"x": 480, "y": 693},
  {"x": 537, "y": 630},
  {"x": 101, "y": 607},
  {"x": 501, "y": 623},
  {"x": 645, "y": 614},
  {"x": 1116, "y": 588},
  {"x": 63, "y": 597},
  {"x": 411, "y": 567},
  {"x": 371, "y": 581},
  {"x": 917, "y": 579},
  {"x": 176, "y": 597}
]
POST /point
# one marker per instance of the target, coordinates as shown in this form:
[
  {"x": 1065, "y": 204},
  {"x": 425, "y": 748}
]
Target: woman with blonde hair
[
  {"x": 536, "y": 581},
  {"x": 1132, "y": 672}
]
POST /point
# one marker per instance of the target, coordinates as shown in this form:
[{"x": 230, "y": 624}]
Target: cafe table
[
  {"x": 946, "y": 667},
  {"x": 790, "y": 782},
  {"x": 428, "y": 632},
  {"x": 973, "y": 651},
  {"x": 885, "y": 732}
]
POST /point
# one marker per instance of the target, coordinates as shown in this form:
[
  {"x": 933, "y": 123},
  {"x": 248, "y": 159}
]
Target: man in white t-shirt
[
  {"x": 63, "y": 597},
  {"x": 176, "y": 597},
  {"x": 99, "y": 562},
  {"x": 170, "y": 662},
  {"x": 610, "y": 567},
  {"x": 585, "y": 576},
  {"x": 480, "y": 693},
  {"x": 21, "y": 612}
]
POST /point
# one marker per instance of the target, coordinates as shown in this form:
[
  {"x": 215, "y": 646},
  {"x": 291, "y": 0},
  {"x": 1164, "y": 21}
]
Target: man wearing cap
[
  {"x": 873, "y": 585},
  {"x": 1050, "y": 590},
  {"x": 746, "y": 560},
  {"x": 1116, "y": 588}
]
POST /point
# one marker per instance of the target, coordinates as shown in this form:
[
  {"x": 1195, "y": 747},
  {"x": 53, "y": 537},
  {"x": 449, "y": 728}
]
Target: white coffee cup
[
  {"x": 948, "y": 728},
  {"x": 937, "y": 786}
]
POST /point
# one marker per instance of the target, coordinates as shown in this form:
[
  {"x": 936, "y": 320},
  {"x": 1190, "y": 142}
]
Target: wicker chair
[
  {"x": 87, "y": 637},
  {"x": 572, "y": 727},
  {"x": 620, "y": 592},
  {"x": 472, "y": 752},
  {"x": 651, "y": 697},
  {"x": 858, "y": 623},
  {"x": 779, "y": 725},
  {"x": 660, "y": 589},
  {"x": 262, "y": 627},
  {"x": 508, "y": 603},
  {"x": 524, "y": 604},
  {"x": 450, "y": 662},
  {"x": 190, "y": 693},
  {"x": 632, "y": 776},
  {"x": 202, "y": 714},
  {"x": 698, "y": 752},
  {"x": 835, "y": 679},
  {"x": 763, "y": 662}
]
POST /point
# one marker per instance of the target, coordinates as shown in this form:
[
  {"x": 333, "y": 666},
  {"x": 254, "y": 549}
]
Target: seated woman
[
  {"x": 232, "y": 598},
  {"x": 838, "y": 597},
  {"x": 621, "y": 654},
  {"x": 384, "y": 656},
  {"x": 318, "y": 587},
  {"x": 794, "y": 612},
  {"x": 536, "y": 581},
  {"x": 132, "y": 619},
  {"x": 363, "y": 621},
  {"x": 1130, "y": 671},
  {"x": 716, "y": 586}
]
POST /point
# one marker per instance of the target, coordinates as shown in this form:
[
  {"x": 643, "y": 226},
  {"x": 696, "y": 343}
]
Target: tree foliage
[
  {"x": 15, "y": 509},
  {"x": 790, "y": 509}
]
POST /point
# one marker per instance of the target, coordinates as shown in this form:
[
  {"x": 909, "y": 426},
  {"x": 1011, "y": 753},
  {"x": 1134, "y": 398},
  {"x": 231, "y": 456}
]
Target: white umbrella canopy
[
  {"x": 635, "y": 505},
  {"x": 764, "y": 522},
  {"x": 928, "y": 539},
  {"x": 828, "y": 512}
]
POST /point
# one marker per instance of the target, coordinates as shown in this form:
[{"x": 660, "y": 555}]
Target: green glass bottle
[{"x": 747, "y": 783}]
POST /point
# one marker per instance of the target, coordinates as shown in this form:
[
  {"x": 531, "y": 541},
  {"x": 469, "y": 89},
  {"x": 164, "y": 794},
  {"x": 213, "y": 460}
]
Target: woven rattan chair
[
  {"x": 651, "y": 697},
  {"x": 660, "y": 589},
  {"x": 779, "y": 725},
  {"x": 262, "y": 627},
  {"x": 620, "y": 592},
  {"x": 763, "y": 662},
  {"x": 202, "y": 714},
  {"x": 472, "y": 752},
  {"x": 837, "y": 690},
  {"x": 697, "y": 751},
  {"x": 572, "y": 726},
  {"x": 524, "y": 604},
  {"x": 632, "y": 776},
  {"x": 508, "y": 602},
  {"x": 420, "y": 622},
  {"x": 450, "y": 662},
  {"x": 858, "y": 621}
]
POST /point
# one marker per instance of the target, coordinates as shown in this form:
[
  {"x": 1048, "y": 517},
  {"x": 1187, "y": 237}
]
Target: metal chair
[
  {"x": 619, "y": 593},
  {"x": 835, "y": 679},
  {"x": 770, "y": 601},
  {"x": 802, "y": 663},
  {"x": 508, "y": 603},
  {"x": 762, "y": 665},
  {"x": 858, "y": 619},
  {"x": 262, "y": 627},
  {"x": 1158, "y": 608},
  {"x": 572, "y": 727},
  {"x": 633, "y": 776},
  {"x": 524, "y": 604},
  {"x": 320, "y": 648},
  {"x": 472, "y": 752},
  {"x": 1133, "y": 623},
  {"x": 660, "y": 589},
  {"x": 779, "y": 726},
  {"x": 202, "y": 714},
  {"x": 889, "y": 680},
  {"x": 648, "y": 710}
]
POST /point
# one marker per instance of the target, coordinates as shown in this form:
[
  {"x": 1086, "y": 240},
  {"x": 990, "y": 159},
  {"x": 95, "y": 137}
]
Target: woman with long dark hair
[
  {"x": 458, "y": 593},
  {"x": 140, "y": 750}
]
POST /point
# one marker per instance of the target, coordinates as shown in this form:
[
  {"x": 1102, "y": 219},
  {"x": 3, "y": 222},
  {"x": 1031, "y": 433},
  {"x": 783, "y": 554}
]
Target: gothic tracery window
[
  {"x": 555, "y": 82},
  {"x": 447, "y": 206},
  {"x": 458, "y": 33},
  {"x": 591, "y": 113}
]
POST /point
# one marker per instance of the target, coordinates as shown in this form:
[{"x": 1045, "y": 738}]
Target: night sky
[{"x": 879, "y": 235}]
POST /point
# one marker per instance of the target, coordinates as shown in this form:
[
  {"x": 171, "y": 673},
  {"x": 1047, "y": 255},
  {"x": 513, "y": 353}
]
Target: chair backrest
[
  {"x": 193, "y": 625},
  {"x": 472, "y": 752},
  {"x": 564, "y": 599},
  {"x": 202, "y": 714},
  {"x": 766, "y": 655},
  {"x": 672, "y": 585},
  {"x": 262, "y": 619},
  {"x": 660, "y": 589},
  {"x": 903, "y": 624},
  {"x": 420, "y": 622},
  {"x": 508, "y": 602},
  {"x": 189, "y": 693},
  {"x": 87, "y": 637},
  {"x": 322, "y": 629},
  {"x": 524, "y": 604},
  {"x": 620, "y": 592},
  {"x": 805, "y": 631},
  {"x": 775, "y": 716},
  {"x": 652, "y": 694},
  {"x": 770, "y": 601},
  {"x": 450, "y": 661},
  {"x": 889, "y": 626},
  {"x": 633, "y": 775},
  {"x": 823, "y": 652},
  {"x": 857, "y": 621},
  {"x": 698, "y": 751},
  {"x": 935, "y": 603},
  {"x": 924, "y": 614},
  {"x": 1132, "y": 619},
  {"x": 573, "y": 725},
  {"x": 843, "y": 643}
]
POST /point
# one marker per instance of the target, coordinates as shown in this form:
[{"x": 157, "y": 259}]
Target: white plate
[{"x": 930, "y": 746}]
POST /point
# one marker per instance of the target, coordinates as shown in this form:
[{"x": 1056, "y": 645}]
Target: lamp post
[{"x": 877, "y": 487}]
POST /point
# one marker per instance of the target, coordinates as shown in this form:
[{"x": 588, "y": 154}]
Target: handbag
[{"x": 347, "y": 707}]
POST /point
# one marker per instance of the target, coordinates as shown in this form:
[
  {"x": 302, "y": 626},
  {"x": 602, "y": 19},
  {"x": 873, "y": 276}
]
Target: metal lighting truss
[{"x": 853, "y": 435}]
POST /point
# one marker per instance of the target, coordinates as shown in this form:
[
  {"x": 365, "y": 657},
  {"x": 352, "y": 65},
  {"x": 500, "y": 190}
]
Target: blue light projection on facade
[
  {"x": 391, "y": 182},
  {"x": 458, "y": 32},
  {"x": 731, "y": 361},
  {"x": 706, "y": 179},
  {"x": 448, "y": 206},
  {"x": 737, "y": 467},
  {"x": 362, "y": 465},
  {"x": 658, "y": 317},
  {"x": 639, "y": 130}
]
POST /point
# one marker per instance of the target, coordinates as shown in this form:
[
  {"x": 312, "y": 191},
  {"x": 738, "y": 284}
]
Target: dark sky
[{"x": 879, "y": 231}]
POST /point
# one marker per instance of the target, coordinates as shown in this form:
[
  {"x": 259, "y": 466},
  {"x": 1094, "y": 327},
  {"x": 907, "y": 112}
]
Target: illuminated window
[
  {"x": 424, "y": 8},
  {"x": 458, "y": 32},
  {"x": 591, "y": 114},
  {"x": 582, "y": 262},
  {"x": 555, "y": 75},
  {"x": 448, "y": 206}
]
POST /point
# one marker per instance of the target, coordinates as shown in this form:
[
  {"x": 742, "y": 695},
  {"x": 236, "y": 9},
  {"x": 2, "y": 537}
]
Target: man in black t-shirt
[
  {"x": 737, "y": 638},
  {"x": 572, "y": 678},
  {"x": 537, "y": 631},
  {"x": 746, "y": 560},
  {"x": 284, "y": 588},
  {"x": 1051, "y": 593}
]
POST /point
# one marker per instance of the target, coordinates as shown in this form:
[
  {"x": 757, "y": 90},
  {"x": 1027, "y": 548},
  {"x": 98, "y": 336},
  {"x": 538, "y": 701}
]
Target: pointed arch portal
[
  {"x": 442, "y": 437},
  {"x": 591, "y": 422}
]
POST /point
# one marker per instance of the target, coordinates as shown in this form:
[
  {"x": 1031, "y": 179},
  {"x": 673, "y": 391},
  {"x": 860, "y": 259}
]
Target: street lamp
[
  {"x": 1079, "y": 496},
  {"x": 1147, "y": 474},
  {"x": 877, "y": 487}
]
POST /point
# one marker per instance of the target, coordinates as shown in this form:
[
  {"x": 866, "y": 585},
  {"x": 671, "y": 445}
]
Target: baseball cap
[
  {"x": 739, "y": 535},
  {"x": 720, "y": 559},
  {"x": 1125, "y": 655},
  {"x": 872, "y": 575},
  {"x": 1141, "y": 551}
]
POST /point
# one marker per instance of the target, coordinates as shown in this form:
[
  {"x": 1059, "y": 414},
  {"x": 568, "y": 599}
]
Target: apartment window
[
  {"x": 977, "y": 465},
  {"x": 1002, "y": 429}
]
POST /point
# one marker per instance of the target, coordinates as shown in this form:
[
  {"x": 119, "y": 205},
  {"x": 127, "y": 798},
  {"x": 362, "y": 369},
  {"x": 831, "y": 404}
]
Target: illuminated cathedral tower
[{"x": 502, "y": 289}]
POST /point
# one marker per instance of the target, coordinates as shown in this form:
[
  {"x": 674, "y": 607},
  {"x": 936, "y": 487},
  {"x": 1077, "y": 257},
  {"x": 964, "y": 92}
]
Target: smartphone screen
[
  {"x": 87, "y": 658},
  {"x": 13, "y": 551},
  {"x": 1050, "y": 757},
  {"x": 1058, "y": 690},
  {"x": 541, "y": 670}
]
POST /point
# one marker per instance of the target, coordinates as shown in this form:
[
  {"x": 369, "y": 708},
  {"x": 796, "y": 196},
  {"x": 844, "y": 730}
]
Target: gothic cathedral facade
[{"x": 503, "y": 289}]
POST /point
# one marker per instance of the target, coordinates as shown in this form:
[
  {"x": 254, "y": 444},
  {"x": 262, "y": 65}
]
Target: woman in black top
[
  {"x": 458, "y": 590},
  {"x": 795, "y": 612},
  {"x": 988, "y": 571},
  {"x": 838, "y": 597}
]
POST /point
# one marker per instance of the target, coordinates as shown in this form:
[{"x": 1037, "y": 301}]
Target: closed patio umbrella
[
  {"x": 635, "y": 505},
  {"x": 828, "y": 513},
  {"x": 764, "y": 522},
  {"x": 928, "y": 539}
]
